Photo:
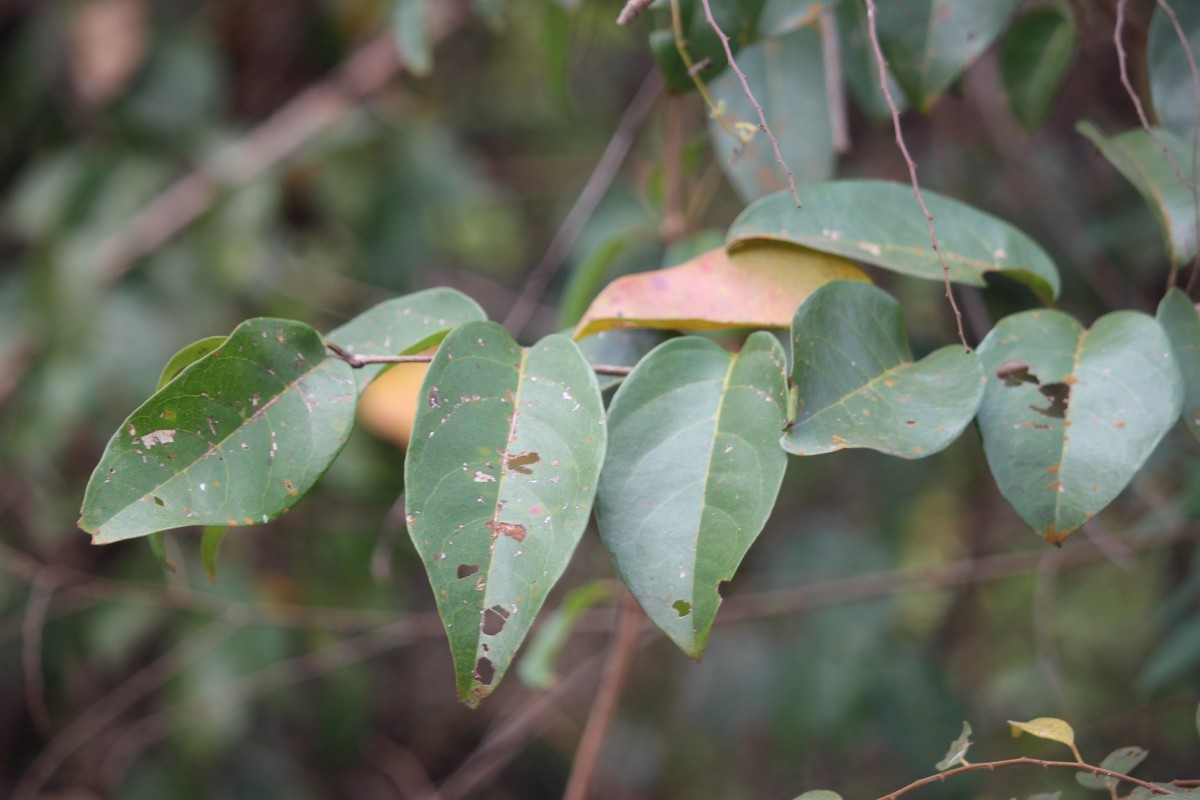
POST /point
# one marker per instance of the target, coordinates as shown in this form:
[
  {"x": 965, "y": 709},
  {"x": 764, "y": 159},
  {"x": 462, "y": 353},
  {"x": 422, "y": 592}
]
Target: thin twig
[
  {"x": 632, "y": 10},
  {"x": 762, "y": 117},
  {"x": 881, "y": 64},
  {"x": 616, "y": 670},
  {"x": 1122, "y": 61},
  {"x": 694, "y": 68},
  {"x": 1024, "y": 760},
  {"x": 358, "y": 361},
  {"x": 91, "y": 723},
  {"x": 589, "y": 198}
]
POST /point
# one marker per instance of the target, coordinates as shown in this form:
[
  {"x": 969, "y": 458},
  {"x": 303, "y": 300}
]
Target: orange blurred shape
[{"x": 389, "y": 406}]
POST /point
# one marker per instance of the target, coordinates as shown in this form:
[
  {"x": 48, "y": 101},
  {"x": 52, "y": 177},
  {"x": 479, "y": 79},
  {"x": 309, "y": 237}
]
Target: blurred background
[{"x": 171, "y": 167}]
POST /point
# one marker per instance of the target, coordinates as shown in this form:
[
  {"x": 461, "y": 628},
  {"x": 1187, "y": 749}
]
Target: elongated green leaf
[
  {"x": 1122, "y": 760},
  {"x": 692, "y": 474},
  {"x": 500, "y": 477},
  {"x": 536, "y": 669},
  {"x": 1036, "y": 53},
  {"x": 1179, "y": 319},
  {"x": 236, "y": 439},
  {"x": 880, "y": 223},
  {"x": 186, "y": 357},
  {"x": 1143, "y": 163},
  {"x": 210, "y": 548},
  {"x": 787, "y": 76},
  {"x": 404, "y": 325},
  {"x": 1171, "y": 85},
  {"x": 860, "y": 67},
  {"x": 1069, "y": 415},
  {"x": 856, "y": 384},
  {"x": 929, "y": 43}
]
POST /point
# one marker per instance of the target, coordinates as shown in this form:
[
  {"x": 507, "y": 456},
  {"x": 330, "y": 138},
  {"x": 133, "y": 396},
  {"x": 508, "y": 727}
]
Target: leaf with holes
[
  {"x": 1171, "y": 84},
  {"x": 1143, "y": 163},
  {"x": 758, "y": 287},
  {"x": 693, "y": 472},
  {"x": 797, "y": 112},
  {"x": 1070, "y": 415},
  {"x": 929, "y": 43},
  {"x": 404, "y": 325},
  {"x": 1179, "y": 318},
  {"x": 500, "y": 477},
  {"x": 236, "y": 439},
  {"x": 856, "y": 385},
  {"x": 880, "y": 223},
  {"x": 1034, "y": 59}
]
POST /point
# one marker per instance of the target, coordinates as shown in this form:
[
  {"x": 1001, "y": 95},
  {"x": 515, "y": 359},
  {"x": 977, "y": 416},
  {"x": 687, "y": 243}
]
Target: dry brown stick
[
  {"x": 40, "y": 593},
  {"x": 589, "y": 198},
  {"x": 616, "y": 671},
  {"x": 762, "y": 117},
  {"x": 835, "y": 85},
  {"x": 632, "y": 10},
  {"x": 95, "y": 719},
  {"x": 1122, "y": 61},
  {"x": 881, "y": 65},
  {"x": 313, "y": 111}
]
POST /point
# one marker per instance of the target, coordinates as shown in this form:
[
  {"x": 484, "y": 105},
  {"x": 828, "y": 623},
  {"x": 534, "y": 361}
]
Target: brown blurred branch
[
  {"x": 366, "y": 72},
  {"x": 991, "y": 766}
]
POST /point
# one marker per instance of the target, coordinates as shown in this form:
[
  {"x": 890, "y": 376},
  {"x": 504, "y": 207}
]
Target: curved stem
[{"x": 1034, "y": 762}]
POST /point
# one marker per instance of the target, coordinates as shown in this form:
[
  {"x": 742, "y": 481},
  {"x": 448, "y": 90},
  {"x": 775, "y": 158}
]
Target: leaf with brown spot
[
  {"x": 758, "y": 287},
  {"x": 1115, "y": 387}
]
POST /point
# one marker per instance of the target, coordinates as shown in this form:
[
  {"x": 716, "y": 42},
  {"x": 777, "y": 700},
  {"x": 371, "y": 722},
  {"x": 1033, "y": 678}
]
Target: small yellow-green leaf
[
  {"x": 186, "y": 357},
  {"x": 958, "y": 750},
  {"x": 820, "y": 794},
  {"x": 1056, "y": 730}
]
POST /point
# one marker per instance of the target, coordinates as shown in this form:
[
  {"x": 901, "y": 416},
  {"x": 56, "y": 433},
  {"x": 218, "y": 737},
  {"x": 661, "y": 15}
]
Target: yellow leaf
[
  {"x": 1050, "y": 728},
  {"x": 760, "y": 285}
]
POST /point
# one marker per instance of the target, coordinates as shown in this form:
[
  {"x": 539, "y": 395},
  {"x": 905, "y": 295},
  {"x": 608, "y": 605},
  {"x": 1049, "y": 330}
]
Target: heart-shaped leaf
[
  {"x": 1140, "y": 159},
  {"x": 1070, "y": 415},
  {"x": 758, "y": 287},
  {"x": 692, "y": 474},
  {"x": 929, "y": 43},
  {"x": 856, "y": 385},
  {"x": 236, "y": 439},
  {"x": 797, "y": 111},
  {"x": 403, "y": 325},
  {"x": 1179, "y": 319},
  {"x": 500, "y": 477},
  {"x": 880, "y": 223}
]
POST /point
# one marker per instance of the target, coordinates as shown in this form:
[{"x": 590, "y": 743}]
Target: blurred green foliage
[{"x": 847, "y": 654}]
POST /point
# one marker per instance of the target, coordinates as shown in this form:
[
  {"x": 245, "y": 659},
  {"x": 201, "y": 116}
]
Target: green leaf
[
  {"x": 1179, "y": 319},
  {"x": 1036, "y": 53},
  {"x": 210, "y": 547},
  {"x": 1070, "y": 415},
  {"x": 737, "y": 18},
  {"x": 500, "y": 477},
  {"x": 236, "y": 439},
  {"x": 859, "y": 65},
  {"x": 404, "y": 325},
  {"x": 693, "y": 472},
  {"x": 796, "y": 108},
  {"x": 1175, "y": 94},
  {"x": 780, "y": 17},
  {"x": 1122, "y": 760},
  {"x": 929, "y": 43},
  {"x": 958, "y": 750},
  {"x": 1136, "y": 156},
  {"x": 856, "y": 384},
  {"x": 880, "y": 223},
  {"x": 158, "y": 546},
  {"x": 410, "y": 26},
  {"x": 187, "y": 356},
  {"x": 536, "y": 667}
]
